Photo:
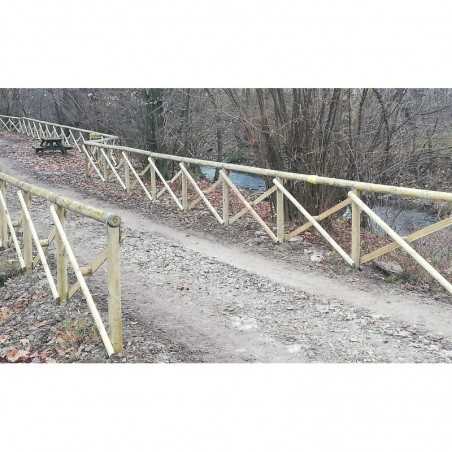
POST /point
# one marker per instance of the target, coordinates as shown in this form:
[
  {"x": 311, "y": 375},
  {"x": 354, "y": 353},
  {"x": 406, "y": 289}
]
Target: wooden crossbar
[
  {"x": 83, "y": 286},
  {"x": 165, "y": 183},
  {"x": 88, "y": 270},
  {"x": 141, "y": 174},
  {"x": 137, "y": 177},
  {"x": 123, "y": 185},
  {"x": 14, "y": 125},
  {"x": 424, "y": 232},
  {"x": 402, "y": 243},
  {"x": 315, "y": 223},
  {"x": 212, "y": 188},
  {"x": 39, "y": 249},
  {"x": 171, "y": 181},
  {"x": 320, "y": 217},
  {"x": 259, "y": 199},
  {"x": 200, "y": 193},
  {"x": 4, "y": 124},
  {"x": 12, "y": 231},
  {"x": 90, "y": 159},
  {"x": 248, "y": 206},
  {"x": 47, "y": 244}
]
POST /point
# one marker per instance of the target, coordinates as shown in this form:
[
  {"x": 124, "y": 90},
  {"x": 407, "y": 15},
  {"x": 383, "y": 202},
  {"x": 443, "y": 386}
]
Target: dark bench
[{"x": 52, "y": 144}]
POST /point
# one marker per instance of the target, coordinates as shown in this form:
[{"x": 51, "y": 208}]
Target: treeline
[{"x": 391, "y": 136}]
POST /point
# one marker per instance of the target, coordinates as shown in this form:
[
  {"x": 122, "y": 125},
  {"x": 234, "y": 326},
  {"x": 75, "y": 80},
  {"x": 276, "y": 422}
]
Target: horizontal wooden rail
[
  {"x": 59, "y": 125},
  {"x": 311, "y": 179},
  {"x": 67, "y": 203},
  {"x": 106, "y": 158},
  {"x": 23, "y": 242},
  {"x": 402, "y": 243}
]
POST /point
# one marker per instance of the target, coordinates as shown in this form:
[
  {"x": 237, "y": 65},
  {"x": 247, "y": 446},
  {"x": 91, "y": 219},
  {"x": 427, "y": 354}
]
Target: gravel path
[{"x": 187, "y": 297}]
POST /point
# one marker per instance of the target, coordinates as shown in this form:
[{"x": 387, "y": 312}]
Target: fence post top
[{"x": 114, "y": 221}]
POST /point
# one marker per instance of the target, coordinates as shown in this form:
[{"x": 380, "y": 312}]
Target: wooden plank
[
  {"x": 176, "y": 200},
  {"x": 88, "y": 270},
  {"x": 319, "y": 228},
  {"x": 248, "y": 206},
  {"x": 320, "y": 217},
  {"x": 259, "y": 199},
  {"x": 153, "y": 183},
  {"x": 309, "y": 178},
  {"x": 280, "y": 221},
  {"x": 137, "y": 177},
  {"x": 37, "y": 242},
  {"x": 61, "y": 260},
  {"x": 114, "y": 288},
  {"x": 171, "y": 181},
  {"x": 212, "y": 188},
  {"x": 91, "y": 161},
  {"x": 226, "y": 200},
  {"x": 127, "y": 175},
  {"x": 424, "y": 232},
  {"x": 403, "y": 244},
  {"x": 27, "y": 239},
  {"x": 200, "y": 193},
  {"x": 113, "y": 169},
  {"x": 11, "y": 231},
  {"x": 3, "y": 221},
  {"x": 356, "y": 232},
  {"x": 83, "y": 286},
  {"x": 184, "y": 192}
]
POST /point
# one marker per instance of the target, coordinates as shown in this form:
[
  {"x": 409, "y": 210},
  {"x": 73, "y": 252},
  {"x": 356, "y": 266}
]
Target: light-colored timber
[
  {"x": 424, "y": 232},
  {"x": 208, "y": 190},
  {"x": 309, "y": 178},
  {"x": 280, "y": 221},
  {"x": 67, "y": 203},
  {"x": 200, "y": 193},
  {"x": 248, "y": 206},
  {"x": 100, "y": 151},
  {"x": 319, "y": 228},
  {"x": 253, "y": 203},
  {"x": 27, "y": 238},
  {"x": 402, "y": 243},
  {"x": 356, "y": 232},
  {"x": 165, "y": 183},
  {"x": 7, "y": 218},
  {"x": 137, "y": 177},
  {"x": 37, "y": 243},
  {"x": 320, "y": 217},
  {"x": 84, "y": 288}
]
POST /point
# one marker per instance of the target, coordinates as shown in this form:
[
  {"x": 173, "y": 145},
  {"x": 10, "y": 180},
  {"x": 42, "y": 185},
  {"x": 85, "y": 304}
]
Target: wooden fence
[
  {"x": 24, "y": 228},
  {"x": 109, "y": 161}
]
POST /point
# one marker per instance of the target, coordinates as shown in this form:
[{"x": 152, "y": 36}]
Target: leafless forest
[{"x": 390, "y": 136}]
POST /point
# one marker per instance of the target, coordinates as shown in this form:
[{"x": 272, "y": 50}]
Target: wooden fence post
[
  {"x": 126, "y": 175},
  {"x": 356, "y": 233},
  {"x": 3, "y": 220},
  {"x": 114, "y": 287},
  {"x": 27, "y": 236},
  {"x": 226, "y": 201},
  {"x": 280, "y": 220},
  {"x": 103, "y": 165},
  {"x": 61, "y": 258},
  {"x": 153, "y": 183},
  {"x": 184, "y": 190}
]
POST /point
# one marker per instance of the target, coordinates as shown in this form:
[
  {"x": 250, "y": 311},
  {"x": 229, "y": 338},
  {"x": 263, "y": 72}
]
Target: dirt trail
[{"x": 227, "y": 304}]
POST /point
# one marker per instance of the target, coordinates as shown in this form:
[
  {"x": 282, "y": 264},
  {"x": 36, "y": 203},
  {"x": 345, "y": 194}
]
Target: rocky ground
[{"x": 183, "y": 303}]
